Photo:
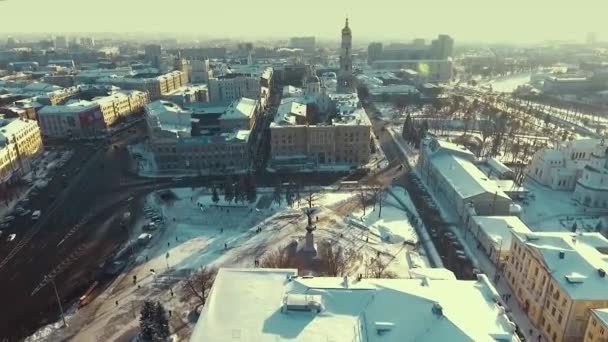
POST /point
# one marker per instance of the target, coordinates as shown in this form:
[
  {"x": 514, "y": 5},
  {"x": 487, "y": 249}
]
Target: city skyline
[{"x": 403, "y": 21}]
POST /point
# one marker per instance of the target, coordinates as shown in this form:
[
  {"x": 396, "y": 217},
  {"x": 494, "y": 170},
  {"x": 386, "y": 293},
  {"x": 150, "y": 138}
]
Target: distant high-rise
[
  {"x": 61, "y": 42},
  {"x": 591, "y": 38},
  {"x": 442, "y": 47},
  {"x": 374, "y": 52},
  {"x": 345, "y": 75},
  {"x": 11, "y": 42},
  {"x": 153, "y": 55},
  {"x": 305, "y": 43}
]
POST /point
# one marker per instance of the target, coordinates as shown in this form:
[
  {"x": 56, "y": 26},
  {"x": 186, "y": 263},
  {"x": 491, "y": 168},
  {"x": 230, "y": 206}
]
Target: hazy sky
[{"x": 465, "y": 20}]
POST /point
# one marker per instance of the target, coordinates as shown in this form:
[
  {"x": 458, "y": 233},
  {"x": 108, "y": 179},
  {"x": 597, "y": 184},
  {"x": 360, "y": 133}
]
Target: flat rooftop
[{"x": 275, "y": 305}]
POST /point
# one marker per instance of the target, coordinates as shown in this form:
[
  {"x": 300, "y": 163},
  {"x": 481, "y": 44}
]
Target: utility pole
[{"x": 58, "y": 301}]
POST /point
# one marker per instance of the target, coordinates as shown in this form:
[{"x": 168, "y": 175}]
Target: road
[
  {"x": 438, "y": 230},
  {"x": 59, "y": 244}
]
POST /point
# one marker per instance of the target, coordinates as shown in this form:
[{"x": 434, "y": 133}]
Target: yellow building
[
  {"x": 597, "y": 328},
  {"x": 558, "y": 278},
  {"x": 20, "y": 142}
]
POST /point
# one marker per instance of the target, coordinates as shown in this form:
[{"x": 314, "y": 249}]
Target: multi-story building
[
  {"x": 240, "y": 115},
  {"x": 20, "y": 143},
  {"x": 231, "y": 87},
  {"x": 597, "y": 328},
  {"x": 278, "y": 305},
  {"x": 558, "y": 278},
  {"x": 374, "y": 52},
  {"x": 61, "y": 42},
  {"x": 200, "y": 72},
  {"x": 429, "y": 70},
  {"x": 155, "y": 87},
  {"x": 442, "y": 47},
  {"x": 78, "y": 119},
  {"x": 305, "y": 43},
  {"x": 579, "y": 166},
  {"x": 345, "y": 139},
  {"x": 152, "y": 55},
  {"x": 450, "y": 171},
  {"x": 176, "y": 149}
]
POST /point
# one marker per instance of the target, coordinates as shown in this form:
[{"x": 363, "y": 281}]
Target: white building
[
  {"x": 494, "y": 234},
  {"x": 559, "y": 168},
  {"x": 592, "y": 187},
  {"x": 449, "y": 170},
  {"x": 200, "y": 72},
  {"x": 253, "y": 83},
  {"x": 276, "y": 305}
]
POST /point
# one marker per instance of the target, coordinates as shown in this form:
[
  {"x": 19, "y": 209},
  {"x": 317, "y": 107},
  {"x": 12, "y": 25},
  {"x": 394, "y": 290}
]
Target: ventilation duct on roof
[{"x": 601, "y": 272}]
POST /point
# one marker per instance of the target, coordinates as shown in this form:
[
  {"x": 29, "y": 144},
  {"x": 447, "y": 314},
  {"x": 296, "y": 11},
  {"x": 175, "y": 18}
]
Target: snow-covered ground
[
  {"x": 550, "y": 210},
  {"x": 510, "y": 83},
  {"x": 197, "y": 233}
]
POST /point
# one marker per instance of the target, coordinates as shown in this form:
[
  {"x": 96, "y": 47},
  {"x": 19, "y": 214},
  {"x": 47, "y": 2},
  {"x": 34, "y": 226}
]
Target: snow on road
[{"x": 200, "y": 233}]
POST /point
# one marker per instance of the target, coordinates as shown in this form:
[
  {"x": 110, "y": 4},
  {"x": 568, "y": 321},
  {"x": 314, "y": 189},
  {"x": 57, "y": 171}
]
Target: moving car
[{"x": 36, "y": 215}]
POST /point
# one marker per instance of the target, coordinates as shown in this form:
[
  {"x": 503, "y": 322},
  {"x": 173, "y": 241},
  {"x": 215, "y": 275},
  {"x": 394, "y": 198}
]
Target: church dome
[{"x": 346, "y": 29}]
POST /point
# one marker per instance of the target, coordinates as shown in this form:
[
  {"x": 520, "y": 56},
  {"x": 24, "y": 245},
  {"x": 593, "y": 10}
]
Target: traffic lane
[{"x": 41, "y": 201}]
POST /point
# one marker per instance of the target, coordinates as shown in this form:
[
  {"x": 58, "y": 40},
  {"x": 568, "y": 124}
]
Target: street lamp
[{"x": 52, "y": 281}]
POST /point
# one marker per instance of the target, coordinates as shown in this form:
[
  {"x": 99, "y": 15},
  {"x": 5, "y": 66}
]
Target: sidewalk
[{"x": 478, "y": 257}]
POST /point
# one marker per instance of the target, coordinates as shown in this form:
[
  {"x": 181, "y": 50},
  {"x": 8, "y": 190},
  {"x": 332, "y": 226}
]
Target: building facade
[
  {"x": 558, "y": 278},
  {"x": 597, "y": 328},
  {"x": 81, "y": 119},
  {"x": 20, "y": 143}
]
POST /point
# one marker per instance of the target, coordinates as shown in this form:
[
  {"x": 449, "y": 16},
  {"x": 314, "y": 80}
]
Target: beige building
[
  {"x": 597, "y": 328},
  {"x": 494, "y": 234},
  {"x": 346, "y": 140},
  {"x": 154, "y": 87},
  {"x": 20, "y": 142},
  {"x": 558, "y": 278},
  {"x": 120, "y": 104}
]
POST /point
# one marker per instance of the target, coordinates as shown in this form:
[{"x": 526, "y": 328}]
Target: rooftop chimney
[
  {"x": 601, "y": 272},
  {"x": 562, "y": 254}
]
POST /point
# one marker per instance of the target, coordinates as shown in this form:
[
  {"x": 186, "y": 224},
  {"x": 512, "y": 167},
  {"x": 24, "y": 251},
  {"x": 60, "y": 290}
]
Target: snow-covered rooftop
[
  {"x": 602, "y": 315},
  {"x": 499, "y": 228},
  {"x": 169, "y": 116},
  {"x": 276, "y": 305},
  {"x": 71, "y": 107},
  {"x": 577, "y": 273},
  {"x": 243, "y": 108},
  {"x": 288, "y": 112},
  {"x": 464, "y": 176}
]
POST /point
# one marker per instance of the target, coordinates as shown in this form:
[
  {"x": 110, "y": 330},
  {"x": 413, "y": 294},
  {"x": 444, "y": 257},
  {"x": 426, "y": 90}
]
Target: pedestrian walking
[
  {"x": 176, "y": 238},
  {"x": 170, "y": 313},
  {"x": 168, "y": 244},
  {"x": 116, "y": 303},
  {"x": 171, "y": 290},
  {"x": 539, "y": 337},
  {"x": 225, "y": 246}
]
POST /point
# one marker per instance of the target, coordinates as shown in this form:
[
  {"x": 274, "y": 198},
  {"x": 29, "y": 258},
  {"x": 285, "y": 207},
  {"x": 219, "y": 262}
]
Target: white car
[{"x": 11, "y": 237}]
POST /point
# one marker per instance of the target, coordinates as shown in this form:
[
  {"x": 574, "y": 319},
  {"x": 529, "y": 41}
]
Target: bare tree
[
  {"x": 362, "y": 199},
  {"x": 336, "y": 262},
  {"x": 311, "y": 199},
  {"x": 377, "y": 197},
  {"x": 200, "y": 282},
  {"x": 376, "y": 268},
  {"x": 280, "y": 258}
]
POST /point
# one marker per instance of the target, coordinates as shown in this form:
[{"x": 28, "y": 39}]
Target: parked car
[
  {"x": 11, "y": 237},
  {"x": 36, "y": 215}
]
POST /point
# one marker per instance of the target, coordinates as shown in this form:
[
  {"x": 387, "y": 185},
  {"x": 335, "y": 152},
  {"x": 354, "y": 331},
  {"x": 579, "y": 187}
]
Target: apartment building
[
  {"x": 155, "y": 87},
  {"x": 78, "y": 119},
  {"x": 597, "y": 328},
  {"x": 120, "y": 104},
  {"x": 294, "y": 140},
  {"x": 175, "y": 148},
  {"x": 253, "y": 83},
  {"x": 20, "y": 143},
  {"x": 558, "y": 279}
]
